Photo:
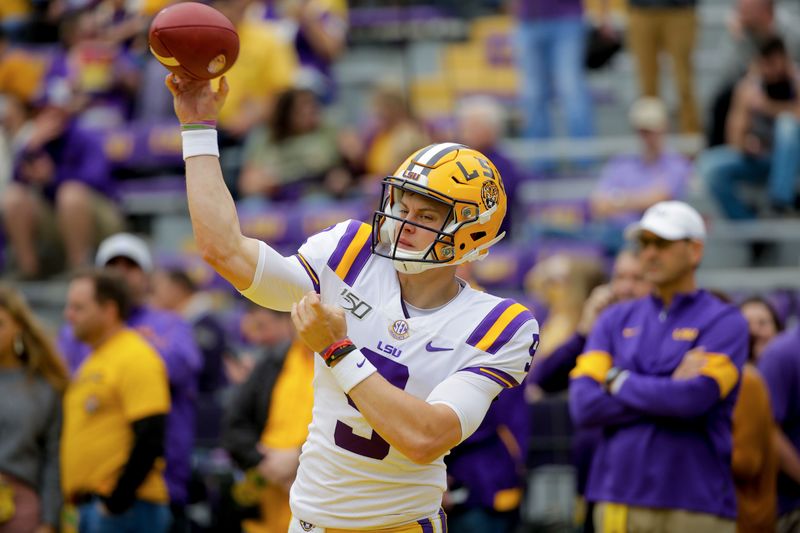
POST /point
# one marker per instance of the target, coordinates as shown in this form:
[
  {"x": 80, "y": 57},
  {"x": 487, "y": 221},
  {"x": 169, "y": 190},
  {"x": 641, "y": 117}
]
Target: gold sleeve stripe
[
  {"x": 721, "y": 369},
  {"x": 594, "y": 364}
]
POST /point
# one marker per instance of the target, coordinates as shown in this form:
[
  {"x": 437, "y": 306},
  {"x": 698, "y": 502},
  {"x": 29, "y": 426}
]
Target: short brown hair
[{"x": 110, "y": 287}]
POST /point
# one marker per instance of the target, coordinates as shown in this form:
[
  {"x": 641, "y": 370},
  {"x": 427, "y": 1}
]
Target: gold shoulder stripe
[{"x": 594, "y": 364}]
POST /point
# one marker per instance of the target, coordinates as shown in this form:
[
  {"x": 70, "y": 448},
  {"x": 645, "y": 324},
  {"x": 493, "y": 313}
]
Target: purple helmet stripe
[
  {"x": 509, "y": 331},
  {"x": 487, "y": 323},
  {"x": 443, "y": 152},
  {"x": 420, "y": 155}
]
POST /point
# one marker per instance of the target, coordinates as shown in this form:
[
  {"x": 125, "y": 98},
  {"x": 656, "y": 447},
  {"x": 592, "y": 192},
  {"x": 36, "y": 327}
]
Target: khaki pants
[
  {"x": 107, "y": 221},
  {"x": 672, "y": 30},
  {"x": 618, "y": 518}
]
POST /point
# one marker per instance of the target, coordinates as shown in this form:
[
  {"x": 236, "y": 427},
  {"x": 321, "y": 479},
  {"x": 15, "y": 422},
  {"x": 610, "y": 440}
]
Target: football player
[{"x": 410, "y": 356}]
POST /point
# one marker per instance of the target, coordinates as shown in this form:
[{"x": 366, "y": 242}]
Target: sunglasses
[{"x": 643, "y": 243}]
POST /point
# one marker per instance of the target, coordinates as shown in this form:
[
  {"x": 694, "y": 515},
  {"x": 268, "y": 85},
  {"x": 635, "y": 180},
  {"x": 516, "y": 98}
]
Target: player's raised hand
[
  {"x": 319, "y": 325},
  {"x": 195, "y": 100}
]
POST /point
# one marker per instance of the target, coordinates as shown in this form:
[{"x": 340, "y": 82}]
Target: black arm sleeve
[{"x": 148, "y": 445}]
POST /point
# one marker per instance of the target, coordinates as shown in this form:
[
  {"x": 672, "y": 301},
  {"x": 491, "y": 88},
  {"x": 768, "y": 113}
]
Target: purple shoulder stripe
[
  {"x": 489, "y": 321},
  {"x": 344, "y": 242},
  {"x": 509, "y": 331},
  {"x": 358, "y": 265},
  {"x": 498, "y": 376}
]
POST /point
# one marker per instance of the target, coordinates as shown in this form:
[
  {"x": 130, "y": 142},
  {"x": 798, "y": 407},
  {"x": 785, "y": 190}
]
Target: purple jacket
[
  {"x": 780, "y": 366},
  {"x": 172, "y": 338},
  {"x": 666, "y": 443}
]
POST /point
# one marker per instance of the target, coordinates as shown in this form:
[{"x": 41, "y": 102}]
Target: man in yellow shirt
[{"x": 114, "y": 416}]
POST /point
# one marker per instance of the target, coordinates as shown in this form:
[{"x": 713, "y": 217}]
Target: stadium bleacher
[{"x": 440, "y": 58}]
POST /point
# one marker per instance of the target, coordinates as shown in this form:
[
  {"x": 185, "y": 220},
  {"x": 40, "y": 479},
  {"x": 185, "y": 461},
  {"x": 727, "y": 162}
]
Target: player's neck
[{"x": 429, "y": 289}]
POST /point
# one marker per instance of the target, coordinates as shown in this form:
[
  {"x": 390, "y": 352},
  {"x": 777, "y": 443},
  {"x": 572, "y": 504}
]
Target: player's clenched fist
[
  {"x": 319, "y": 325},
  {"x": 195, "y": 101}
]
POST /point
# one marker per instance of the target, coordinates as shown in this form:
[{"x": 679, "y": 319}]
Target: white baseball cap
[
  {"x": 649, "y": 113},
  {"x": 671, "y": 220},
  {"x": 124, "y": 245}
]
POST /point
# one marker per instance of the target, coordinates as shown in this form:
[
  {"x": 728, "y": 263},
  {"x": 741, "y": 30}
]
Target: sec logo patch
[{"x": 399, "y": 330}]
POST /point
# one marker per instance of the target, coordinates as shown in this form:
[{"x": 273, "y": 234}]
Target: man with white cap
[
  {"x": 172, "y": 338},
  {"x": 660, "y": 376}
]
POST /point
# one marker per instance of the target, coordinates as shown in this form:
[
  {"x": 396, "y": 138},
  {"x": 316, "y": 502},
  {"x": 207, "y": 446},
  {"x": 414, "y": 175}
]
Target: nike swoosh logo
[
  {"x": 359, "y": 365},
  {"x": 432, "y": 348}
]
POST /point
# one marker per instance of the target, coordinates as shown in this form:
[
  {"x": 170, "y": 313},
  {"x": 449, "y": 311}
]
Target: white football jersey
[{"x": 349, "y": 477}]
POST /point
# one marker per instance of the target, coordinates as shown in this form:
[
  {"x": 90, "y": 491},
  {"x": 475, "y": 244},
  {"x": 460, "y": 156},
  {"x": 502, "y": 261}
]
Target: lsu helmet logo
[{"x": 490, "y": 194}]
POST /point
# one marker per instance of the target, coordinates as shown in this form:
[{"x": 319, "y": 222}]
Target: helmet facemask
[{"x": 388, "y": 225}]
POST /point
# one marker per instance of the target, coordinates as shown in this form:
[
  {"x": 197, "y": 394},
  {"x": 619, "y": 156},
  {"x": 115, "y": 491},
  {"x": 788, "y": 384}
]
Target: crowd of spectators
[{"x": 205, "y": 402}]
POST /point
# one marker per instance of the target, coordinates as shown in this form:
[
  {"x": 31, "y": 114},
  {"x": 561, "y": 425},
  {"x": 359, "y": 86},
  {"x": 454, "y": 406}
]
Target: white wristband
[
  {"x": 199, "y": 142},
  {"x": 352, "y": 369}
]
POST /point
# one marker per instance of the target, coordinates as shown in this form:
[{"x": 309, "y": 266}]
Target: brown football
[{"x": 194, "y": 41}]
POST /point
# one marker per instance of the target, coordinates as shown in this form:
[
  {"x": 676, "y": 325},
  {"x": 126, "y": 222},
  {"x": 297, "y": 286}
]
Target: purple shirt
[
  {"x": 96, "y": 71},
  {"x": 666, "y": 443},
  {"x": 78, "y": 156},
  {"x": 535, "y": 10},
  {"x": 780, "y": 366},
  {"x": 172, "y": 338},
  {"x": 630, "y": 175},
  {"x": 485, "y": 463}
]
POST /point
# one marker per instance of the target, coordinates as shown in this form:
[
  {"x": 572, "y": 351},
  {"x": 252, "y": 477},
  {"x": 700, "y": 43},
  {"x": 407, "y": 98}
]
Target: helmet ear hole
[
  {"x": 462, "y": 246},
  {"x": 478, "y": 235}
]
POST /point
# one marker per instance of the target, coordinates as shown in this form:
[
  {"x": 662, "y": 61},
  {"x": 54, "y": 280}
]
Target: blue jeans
[
  {"x": 723, "y": 168},
  {"x": 142, "y": 517},
  {"x": 554, "y": 50}
]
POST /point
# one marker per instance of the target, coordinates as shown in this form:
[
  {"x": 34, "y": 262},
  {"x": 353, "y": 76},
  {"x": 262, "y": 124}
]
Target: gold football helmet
[{"x": 462, "y": 179}]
